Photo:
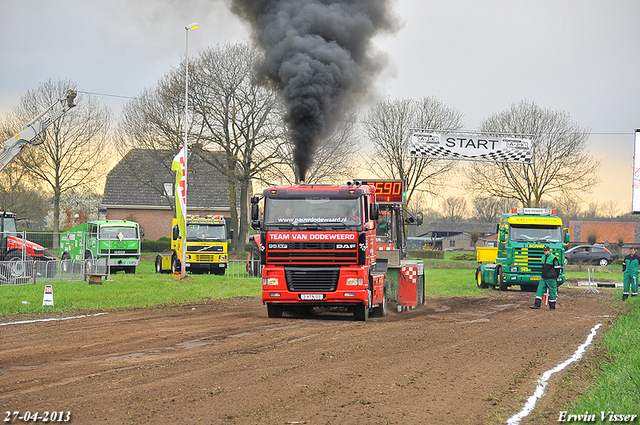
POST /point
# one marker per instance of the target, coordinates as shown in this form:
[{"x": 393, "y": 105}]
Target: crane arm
[{"x": 36, "y": 127}]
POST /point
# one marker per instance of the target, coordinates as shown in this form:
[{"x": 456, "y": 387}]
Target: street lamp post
[{"x": 191, "y": 26}]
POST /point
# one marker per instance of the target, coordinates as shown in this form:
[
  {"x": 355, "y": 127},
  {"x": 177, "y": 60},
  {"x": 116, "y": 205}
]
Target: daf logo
[{"x": 345, "y": 246}]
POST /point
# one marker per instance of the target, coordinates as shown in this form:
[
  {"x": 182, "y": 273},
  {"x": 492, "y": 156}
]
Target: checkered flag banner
[{"x": 470, "y": 147}]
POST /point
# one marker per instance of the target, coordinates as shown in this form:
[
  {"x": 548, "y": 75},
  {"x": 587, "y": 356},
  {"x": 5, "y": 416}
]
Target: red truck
[
  {"x": 317, "y": 247},
  {"x": 14, "y": 249}
]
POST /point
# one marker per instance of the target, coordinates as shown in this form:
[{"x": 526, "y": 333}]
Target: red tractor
[{"x": 17, "y": 251}]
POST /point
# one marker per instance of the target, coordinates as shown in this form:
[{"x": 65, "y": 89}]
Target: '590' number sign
[{"x": 388, "y": 191}]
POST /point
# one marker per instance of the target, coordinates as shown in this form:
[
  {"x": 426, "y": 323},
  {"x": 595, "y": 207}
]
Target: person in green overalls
[
  {"x": 550, "y": 273},
  {"x": 630, "y": 268}
]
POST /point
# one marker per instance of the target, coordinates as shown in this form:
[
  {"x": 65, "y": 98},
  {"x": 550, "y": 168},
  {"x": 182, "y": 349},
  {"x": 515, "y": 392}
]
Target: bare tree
[
  {"x": 154, "y": 122},
  {"x": 388, "y": 127},
  {"x": 569, "y": 208},
  {"x": 73, "y": 154},
  {"x": 488, "y": 209},
  {"x": 561, "y": 165},
  {"x": 454, "y": 208},
  {"x": 238, "y": 115}
]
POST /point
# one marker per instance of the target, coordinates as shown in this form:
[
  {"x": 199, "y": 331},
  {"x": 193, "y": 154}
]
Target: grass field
[{"x": 616, "y": 387}]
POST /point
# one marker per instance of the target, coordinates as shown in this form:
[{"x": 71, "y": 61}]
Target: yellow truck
[{"x": 206, "y": 242}]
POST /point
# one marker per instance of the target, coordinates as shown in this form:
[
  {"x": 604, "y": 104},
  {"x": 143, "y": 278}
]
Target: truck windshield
[
  {"x": 530, "y": 233},
  {"x": 196, "y": 232},
  {"x": 9, "y": 226},
  {"x": 113, "y": 233},
  {"x": 312, "y": 212}
]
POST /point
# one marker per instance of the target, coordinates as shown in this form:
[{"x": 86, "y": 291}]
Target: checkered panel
[{"x": 503, "y": 155}]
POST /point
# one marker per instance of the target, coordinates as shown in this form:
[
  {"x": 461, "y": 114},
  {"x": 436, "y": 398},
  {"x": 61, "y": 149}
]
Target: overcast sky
[{"x": 577, "y": 56}]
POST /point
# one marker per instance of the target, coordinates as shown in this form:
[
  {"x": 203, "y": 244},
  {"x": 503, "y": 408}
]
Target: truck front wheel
[
  {"x": 175, "y": 265},
  {"x": 18, "y": 267},
  {"x": 502, "y": 285},
  {"x": 361, "y": 313},
  {"x": 479, "y": 282}
]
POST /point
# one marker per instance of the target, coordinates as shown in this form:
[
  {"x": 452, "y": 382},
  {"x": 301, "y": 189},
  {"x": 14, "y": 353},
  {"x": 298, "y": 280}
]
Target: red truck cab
[{"x": 318, "y": 248}]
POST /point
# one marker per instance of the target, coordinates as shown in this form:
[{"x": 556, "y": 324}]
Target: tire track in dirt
[{"x": 455, "y": 360}]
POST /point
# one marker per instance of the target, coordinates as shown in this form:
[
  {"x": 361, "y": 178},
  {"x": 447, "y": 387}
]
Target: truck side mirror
[
  {"x": 230, "y": 233},
  {"x": 503, "y": 237},
  {"x": 566, "y": 237},
  {"x": 255, "y": 211},
  {"x": 373, "y": 211},
  {"x": 176, "y": 232}
]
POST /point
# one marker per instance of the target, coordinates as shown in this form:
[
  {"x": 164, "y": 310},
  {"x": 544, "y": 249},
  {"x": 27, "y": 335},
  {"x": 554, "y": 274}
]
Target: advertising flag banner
[
  {"x": 635, "y": 198},
  {"x": 470, "y": 146},
  {"x": 179, "y": 166}
]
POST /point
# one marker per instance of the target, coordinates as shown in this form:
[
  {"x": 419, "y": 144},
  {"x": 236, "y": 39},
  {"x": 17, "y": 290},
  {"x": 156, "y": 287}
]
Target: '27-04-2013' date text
[{"x": 55, "y": 416}]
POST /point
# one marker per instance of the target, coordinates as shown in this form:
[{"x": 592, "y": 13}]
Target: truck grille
[
  {"x": 311, "y": 279},
  {"x": 216, "y": 248},
  {"x": 203, "y": 258},
  {"x": 530, "y": 257},
  {"x": 314, "y": 253},
  {"x": 118, "y": 253}
]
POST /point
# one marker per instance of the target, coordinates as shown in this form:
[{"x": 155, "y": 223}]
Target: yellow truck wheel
[{"x": 479, "y": 282}]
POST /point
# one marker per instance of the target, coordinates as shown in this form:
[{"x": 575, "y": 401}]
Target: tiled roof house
[{"x": 141, "y": 185}]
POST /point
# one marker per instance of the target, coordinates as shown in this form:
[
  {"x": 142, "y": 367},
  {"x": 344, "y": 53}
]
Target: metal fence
[
  {"x": 30, "y": 271},
  {"x": 242, "y": 269}
]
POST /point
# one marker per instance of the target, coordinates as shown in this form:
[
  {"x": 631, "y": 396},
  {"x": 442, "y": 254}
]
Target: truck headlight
[
  {"x": 513, "y": 269},
  {"x": 269, "y": 281},
  {"x": 354, "y": 281},
  {"x": 223, "y": 257}
]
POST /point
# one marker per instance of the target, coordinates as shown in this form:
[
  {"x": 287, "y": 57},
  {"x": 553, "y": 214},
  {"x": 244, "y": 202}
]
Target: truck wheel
[
  {"x": 479, "y": 282},
  {"x": 19, "y": 268},
  {"x": 502, "y": 285},
  {"x": 381, "y": 310},
  {"x": 65, "y": 263},
  {"x": 175, "y": 265},
  {"x": 158, "y": 264},
  {"x": 361, "y": 313},
  {"x": 274, "y": 311},
  {"x": 254, "y": 262}
]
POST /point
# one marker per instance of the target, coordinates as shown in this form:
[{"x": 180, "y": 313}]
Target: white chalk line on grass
[
  {"x": 544, "y": 379},
  {"x": 50, "y": 319}
]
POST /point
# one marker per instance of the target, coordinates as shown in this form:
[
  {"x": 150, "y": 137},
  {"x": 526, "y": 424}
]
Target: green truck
[
  {"x": 522, "y": 235},
  {"x": 117, "y": 242}
]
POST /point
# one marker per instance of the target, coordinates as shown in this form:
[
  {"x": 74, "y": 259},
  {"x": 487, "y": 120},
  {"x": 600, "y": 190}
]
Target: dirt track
[{"x": 455, "y": 360}]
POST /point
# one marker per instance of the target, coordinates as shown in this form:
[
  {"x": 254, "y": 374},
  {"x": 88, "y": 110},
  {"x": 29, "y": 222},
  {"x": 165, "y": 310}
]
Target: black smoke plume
[{"x": 318, "y": 53}]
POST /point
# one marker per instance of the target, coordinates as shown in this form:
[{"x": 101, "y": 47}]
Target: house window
[
  {"x": 168, "y": 189},
  {"x": 452, "y": 243}
]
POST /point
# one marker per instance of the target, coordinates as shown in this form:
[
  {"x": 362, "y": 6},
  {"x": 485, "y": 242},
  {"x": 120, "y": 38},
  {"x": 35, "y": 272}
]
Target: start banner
[{"x": 470, "y": 146}]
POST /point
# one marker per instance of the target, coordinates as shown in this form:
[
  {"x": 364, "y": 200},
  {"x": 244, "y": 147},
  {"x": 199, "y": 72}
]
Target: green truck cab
[
  {"x": 117, "y": 242},
  {"x": 522, "y": 235}
]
